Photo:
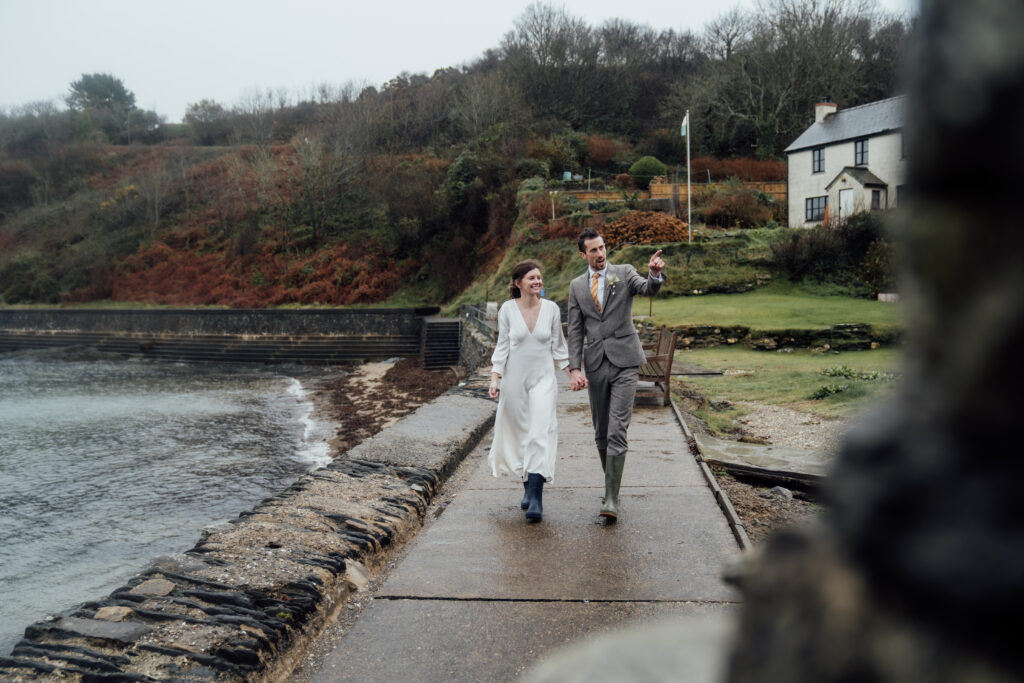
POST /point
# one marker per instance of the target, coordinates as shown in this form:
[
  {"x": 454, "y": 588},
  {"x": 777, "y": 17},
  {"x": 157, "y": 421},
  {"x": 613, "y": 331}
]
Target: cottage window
[
  {"x": 860, "y": 152},
  {"x": 876, "y": 199},
  {"x": 815, "y": 208},
  {"x": 818, "y": 160}
]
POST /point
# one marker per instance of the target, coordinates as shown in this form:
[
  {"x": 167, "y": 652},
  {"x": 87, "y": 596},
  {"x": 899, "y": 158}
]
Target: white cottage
[{"x": 847, "y": 161}]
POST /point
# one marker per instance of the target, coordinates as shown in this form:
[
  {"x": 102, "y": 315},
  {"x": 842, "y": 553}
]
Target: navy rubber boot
[
  {"x": 534, "y": 491},
  {"x": 525, "y": 502}
]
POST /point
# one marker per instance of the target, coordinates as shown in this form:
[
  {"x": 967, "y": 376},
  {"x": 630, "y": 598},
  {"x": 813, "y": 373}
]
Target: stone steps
[{"x": 441, "y": 342}]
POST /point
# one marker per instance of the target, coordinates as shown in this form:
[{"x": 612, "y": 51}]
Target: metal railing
[{"x": 476, "y": 315}]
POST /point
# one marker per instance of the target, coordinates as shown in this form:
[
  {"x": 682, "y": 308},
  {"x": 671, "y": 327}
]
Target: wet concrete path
[{"x": 481, "y": 595}]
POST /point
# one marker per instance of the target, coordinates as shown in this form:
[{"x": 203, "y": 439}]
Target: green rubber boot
[{"x": 612, "y": 479}]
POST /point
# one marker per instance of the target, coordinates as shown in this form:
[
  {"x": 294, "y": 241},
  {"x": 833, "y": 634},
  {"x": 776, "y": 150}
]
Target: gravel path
[{"x": 786, "y": 427}]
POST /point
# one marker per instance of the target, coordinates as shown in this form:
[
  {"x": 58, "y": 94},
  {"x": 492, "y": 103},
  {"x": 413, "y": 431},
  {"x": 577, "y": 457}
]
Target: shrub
[
  {"x": 624, "y": 180},
  {"x": 562, "y": 229},
  {"x": 828, "y": 253},
  {"x": 561, "y": 152},
  {"x": 539, "y": 210},
  {"x": 878, "y": 269},
  {"x": 16, "y": 181},
  {"x": 828, "y": 390},
  {"x": 24, "y": 280},
  {"x": 732, "y": 205},
  {"x": 601, "y": 150},
  {"x": 646, "y": 169},
  {"x": 750, "y": 170},
  {"x": 531, "y": 168}
]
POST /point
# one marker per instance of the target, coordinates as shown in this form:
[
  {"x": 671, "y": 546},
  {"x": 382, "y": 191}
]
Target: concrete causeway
[{"x": 480, "y": 594}]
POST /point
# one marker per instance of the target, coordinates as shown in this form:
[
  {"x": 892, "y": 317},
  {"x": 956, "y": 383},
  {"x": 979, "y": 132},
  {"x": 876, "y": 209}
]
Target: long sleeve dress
[{"x": 526, "y": 427}]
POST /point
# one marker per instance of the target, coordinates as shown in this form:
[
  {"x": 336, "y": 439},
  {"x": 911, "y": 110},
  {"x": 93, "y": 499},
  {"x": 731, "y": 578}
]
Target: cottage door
[{"x": 845, "y": 204}]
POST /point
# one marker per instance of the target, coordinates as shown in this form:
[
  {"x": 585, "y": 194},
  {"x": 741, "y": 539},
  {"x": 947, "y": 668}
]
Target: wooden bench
[{"x": 658, "y": 368}]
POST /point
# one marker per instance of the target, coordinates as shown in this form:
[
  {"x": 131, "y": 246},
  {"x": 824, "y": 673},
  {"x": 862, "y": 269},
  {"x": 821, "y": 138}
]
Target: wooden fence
[{"x": 777, "y": 189}]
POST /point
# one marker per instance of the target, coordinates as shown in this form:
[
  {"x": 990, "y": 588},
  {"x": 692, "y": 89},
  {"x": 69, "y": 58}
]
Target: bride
[{"x": 530, "y": 346}]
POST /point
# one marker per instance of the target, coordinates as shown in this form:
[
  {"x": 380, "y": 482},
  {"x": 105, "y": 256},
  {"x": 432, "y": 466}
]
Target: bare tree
[
  {"x": 207, "y": 121},
  {"x": 255, "y": 118},
  {"x": 756, "y": 94},
  {"x": 154, "y": 186},
  {"x": 552, "y": 57},
  {"x": 484, "y": 100},
  {"x": 328, "y": 164},
  {"x": 727, "y": 33}
]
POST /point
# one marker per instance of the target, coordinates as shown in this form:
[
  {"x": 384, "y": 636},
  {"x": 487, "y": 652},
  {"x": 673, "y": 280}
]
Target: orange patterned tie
[{"x": 593, "y": 291}]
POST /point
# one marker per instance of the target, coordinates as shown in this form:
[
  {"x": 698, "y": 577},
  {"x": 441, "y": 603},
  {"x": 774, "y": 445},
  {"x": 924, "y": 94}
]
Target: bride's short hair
[{"x": 518, "y": 272}]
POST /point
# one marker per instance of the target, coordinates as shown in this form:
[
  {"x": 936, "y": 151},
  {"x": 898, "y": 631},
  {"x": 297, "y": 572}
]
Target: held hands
[
  {"x": 656, "y": 264},
  {"x": 576, "y": 380}
]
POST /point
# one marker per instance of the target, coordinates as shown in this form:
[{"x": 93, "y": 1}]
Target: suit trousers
[{"x": 611, "y": 390}]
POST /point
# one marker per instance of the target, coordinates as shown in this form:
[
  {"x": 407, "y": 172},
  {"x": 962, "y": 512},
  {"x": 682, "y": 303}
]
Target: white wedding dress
[{"x": 526, "y": 427}]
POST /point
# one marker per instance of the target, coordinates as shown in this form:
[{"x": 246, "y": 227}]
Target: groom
[{"x": 601, "y": 312}]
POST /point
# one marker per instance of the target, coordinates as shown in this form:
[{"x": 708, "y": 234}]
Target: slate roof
[
  {"x": 866, "y": 120},
  {"x": 862, "y": 175}
]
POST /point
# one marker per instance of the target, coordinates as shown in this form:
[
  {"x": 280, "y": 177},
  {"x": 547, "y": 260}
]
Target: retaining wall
[
  {"x": 247, "y": 600},
  {"x": 841, "y": 337},
  {"x": 475, "y": 350}
]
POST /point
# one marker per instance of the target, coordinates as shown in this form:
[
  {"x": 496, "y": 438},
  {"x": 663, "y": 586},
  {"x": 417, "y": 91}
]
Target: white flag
[{"x": 686, "y": 122}]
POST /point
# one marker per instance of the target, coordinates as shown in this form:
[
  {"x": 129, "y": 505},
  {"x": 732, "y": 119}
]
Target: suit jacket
[{"x": 595, "y": 335}]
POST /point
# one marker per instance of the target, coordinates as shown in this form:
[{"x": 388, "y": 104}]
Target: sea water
[{"x": 106, "y": 463}]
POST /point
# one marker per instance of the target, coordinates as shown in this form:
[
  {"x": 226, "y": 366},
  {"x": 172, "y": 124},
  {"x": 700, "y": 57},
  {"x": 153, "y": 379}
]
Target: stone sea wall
[
  {"x": 375, "y": 321},
  {"x": 246, "y": 601}
]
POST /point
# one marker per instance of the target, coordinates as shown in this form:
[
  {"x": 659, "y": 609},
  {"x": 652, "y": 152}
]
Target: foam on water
[{"x": 316, "y": 434}]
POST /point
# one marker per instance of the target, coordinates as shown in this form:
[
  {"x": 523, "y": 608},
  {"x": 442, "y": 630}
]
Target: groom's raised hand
[{"x": 656, "y": 264}]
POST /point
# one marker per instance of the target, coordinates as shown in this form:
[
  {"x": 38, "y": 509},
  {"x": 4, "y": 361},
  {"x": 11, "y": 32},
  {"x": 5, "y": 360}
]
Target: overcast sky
[{"x": 171, "y": 54}]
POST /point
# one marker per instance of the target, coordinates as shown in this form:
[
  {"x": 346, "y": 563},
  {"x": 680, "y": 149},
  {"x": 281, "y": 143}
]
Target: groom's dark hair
[{"x": 587, "y": 234}]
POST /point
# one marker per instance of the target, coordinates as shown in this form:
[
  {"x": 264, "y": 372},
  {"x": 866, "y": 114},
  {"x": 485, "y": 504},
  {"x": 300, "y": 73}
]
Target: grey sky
[{"x": 171, "y": 54}]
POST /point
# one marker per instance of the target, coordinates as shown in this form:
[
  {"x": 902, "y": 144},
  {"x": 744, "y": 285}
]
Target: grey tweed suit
[{"x": 605, "y": 345}]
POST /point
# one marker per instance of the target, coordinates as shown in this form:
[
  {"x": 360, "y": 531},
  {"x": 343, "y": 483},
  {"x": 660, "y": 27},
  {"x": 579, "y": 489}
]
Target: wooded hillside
[{"x": 404, "y": 192}]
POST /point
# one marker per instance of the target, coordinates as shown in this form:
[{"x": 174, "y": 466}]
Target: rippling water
[{"x": 105, "y": 464}]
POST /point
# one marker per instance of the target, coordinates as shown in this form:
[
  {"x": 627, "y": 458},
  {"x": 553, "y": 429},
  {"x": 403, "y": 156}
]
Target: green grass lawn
[
  {"x": 856, "y": 380},
  {"x": 778, "y": 306}
]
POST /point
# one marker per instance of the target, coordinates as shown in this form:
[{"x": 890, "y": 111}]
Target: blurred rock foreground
[
  {"x": 923, "y": 555},
  {"x": 917, "y": 575}
]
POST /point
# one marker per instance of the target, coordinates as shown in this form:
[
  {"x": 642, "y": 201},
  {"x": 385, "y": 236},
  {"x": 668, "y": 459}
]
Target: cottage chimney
[{"x": 823, "y": 109}]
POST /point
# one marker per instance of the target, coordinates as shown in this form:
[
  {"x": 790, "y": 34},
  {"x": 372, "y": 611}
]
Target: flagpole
[{"x": 689, "y": 219}]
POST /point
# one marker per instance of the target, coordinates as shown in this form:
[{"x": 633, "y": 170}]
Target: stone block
[
  {"x": 154, "y": 587},
  {"x": 356, "y": 575},
  {"x": 113, "y": 613},
  {"x": 125, "y": 631}
]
